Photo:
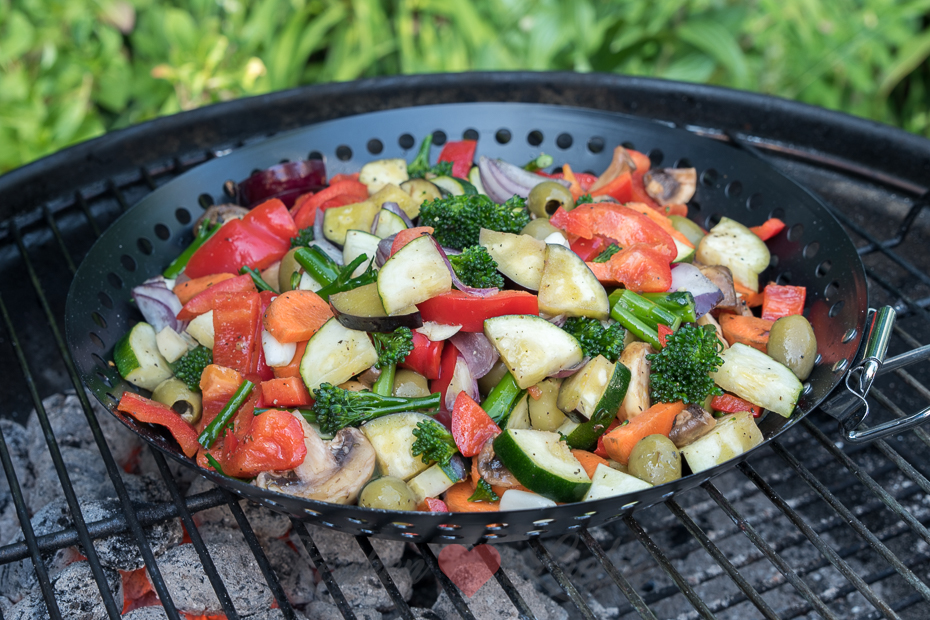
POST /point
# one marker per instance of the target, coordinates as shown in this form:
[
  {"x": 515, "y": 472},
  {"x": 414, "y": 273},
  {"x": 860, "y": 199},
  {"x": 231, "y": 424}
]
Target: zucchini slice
[
  {"x": 392, "y": 438},
  {"x": 360, "y": 308},
  {"x": 753, "y": 375},
  {"x": 532, "y": 348},
  {"x": 732, "y": 435},
  {"x": 568, "y": 286},
  {"x": 388, "y": 224},
  {"x": 421, "y": 190},
  {"x": 359, "y": 242},
  {"x": 585, "y": 435},
  {"x": 376, "y": 174},
  {"x": 415, "y": 273},
  {"x": 138, "y": 360},
  {"x": 543, "y": 464},
  {"x": 340, "y": 220},
  {"x": 433, "y": 481},
  {"x": 335, "y": 354},
  {"x": 519, "y": 257},
  {"x": 474, "y": 177},
  {"x": 733, "y": 245},
  {"x": 393, "y": 193},
  {"x": 608, "y": 482},
  {"x": 170, "y": 344},
  {"x": 545, "y": 414},
  {"x": 583, "y": 390},
  {"x": 519, "y": 418}
]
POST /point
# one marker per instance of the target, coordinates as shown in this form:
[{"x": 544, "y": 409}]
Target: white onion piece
[
  {"x": 568, "y": 372},
  {"x": 159, "y": 306},
  {"x": 438, "y": 331},
  {"x": 479, "y": 353},
  {"x": 687, "y": 277},
  {"x": 277, "y": 354},
  {"x": 492, "y": 186},
  {"x": 320, "y": 241},
  {"x": 558, "y": 238},
  {"x": 515, "y": 499},
  {"x": 462, "y": 381}
]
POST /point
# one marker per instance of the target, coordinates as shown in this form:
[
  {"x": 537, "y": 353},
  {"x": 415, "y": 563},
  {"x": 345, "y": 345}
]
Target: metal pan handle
[{"x": 851, "y": 407}]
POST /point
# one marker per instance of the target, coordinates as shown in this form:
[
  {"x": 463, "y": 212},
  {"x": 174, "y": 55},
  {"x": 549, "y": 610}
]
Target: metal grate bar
[
  {"x": 901, "y": 295},
  {"x": 799, "y": 584},
  {"x": 325, "y": 574},
  {"x": 514, "y": 595},
  {"x": 754, "y": 597},
  {"x": 82, "y": 203},
  {"x": 450, "y": 589},
  {"x": 118, "y": 194},
  {"x": 628, "y": 590},
  {"x": 205, "y": 560},
  {"x": 70, "y": 497},
  {"x": 50, "y": 220},
  {"x": 897, "y": 411},
  {"x": 556, "y": 571},
  {"x": 907, "y": 221},
  {"x": 28, "y": 532},
  {"x": 263, "y": 564},
  {"x": 855, "y": 523},
  {"x": 667, "y": 566},
  {"x": 399, "y": 603},
  {"x": 828, "y": 552}
]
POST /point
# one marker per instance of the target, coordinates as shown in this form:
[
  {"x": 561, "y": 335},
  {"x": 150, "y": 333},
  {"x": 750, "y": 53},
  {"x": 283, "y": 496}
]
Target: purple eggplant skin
[{"x": 381, "y": 324}]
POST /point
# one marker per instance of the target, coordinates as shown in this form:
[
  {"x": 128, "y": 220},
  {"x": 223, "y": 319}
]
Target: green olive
[
  {"x": 655, "y": 459},
  {"x": 175, "y": 393},
  {"x": 793, "y": 343},
  {"x": 688, "y": 228},
  {"x": 289, "y": 266},
  {"x": 410, "y": 384},
  {"x": 494, "y": 376},
  {"x": 547, "y": 197},
  {"x": 389, "y": 493},
  {"x": 540, "y": 228}
]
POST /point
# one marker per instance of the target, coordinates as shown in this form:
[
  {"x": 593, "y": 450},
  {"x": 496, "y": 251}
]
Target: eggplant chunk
[
  {"x": 722, "y": 278},
  {"x": 691, "y": 424},
  {"x": 671, "y": 185},
  {"x": 637, "y": 395}
]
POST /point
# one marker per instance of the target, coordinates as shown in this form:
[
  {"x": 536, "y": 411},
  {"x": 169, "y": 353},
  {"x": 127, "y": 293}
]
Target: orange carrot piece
[
  {"x": 589, "y": 461},
  {"x": 749, "y": 330},
  {"x": 187, "y": 290},
  {"x": 295, "y": 316},
  {"x": 406, "y": 236},
  {"x": 286, "y": 392},
  {"x": 292, "y": 369},
  {"x": 534, "y": 392},
  {"x": 657, "y": 420},
  {"x": 457, "y": 500},
  {"x": 575, "y": 187},
  {"x": 752, "y": 298}
]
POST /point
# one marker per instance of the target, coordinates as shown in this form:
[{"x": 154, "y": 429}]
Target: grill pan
[{"x": 813, "y": 251}]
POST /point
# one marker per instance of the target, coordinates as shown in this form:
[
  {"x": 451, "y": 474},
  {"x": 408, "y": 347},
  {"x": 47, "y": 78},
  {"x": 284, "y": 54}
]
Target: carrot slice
[
  {"x": 292, "y": 369},
  {"x": 457, "y": 500},
  {"x": 749, "y": 330},
  {"x": 752, "y": 298},
  {"x": 589, "y": 461},
  {"x": 657, "y": 420},
  {"x": 575, "y": 187},
  {"x": 407, "y": 235},
  {"x": 286, "y": 392},
  {"x": 188, "y": 290},
  {"x": 296, "y": 315},
  {"x": 779, "y": 301}
]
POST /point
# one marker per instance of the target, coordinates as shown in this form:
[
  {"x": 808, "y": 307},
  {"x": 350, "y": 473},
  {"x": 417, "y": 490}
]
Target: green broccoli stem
[
  {"x": 384, "y": 384},
  {"x": 321, "y": 267},
  {"x": 636, "y": 326},
  {"x": 502, "y": 399},
  {"x": 260, "y": 283},
  {"x": 420, "y": 164},
  {"x": 679, "y": 303},
  {"x": 543, "y": 161},
  {"x": 307, "y": 414},
  {"x": 223, "y": 418},
  {"x": 644, "y": 309},
  {"x": 204, "y": 232}
]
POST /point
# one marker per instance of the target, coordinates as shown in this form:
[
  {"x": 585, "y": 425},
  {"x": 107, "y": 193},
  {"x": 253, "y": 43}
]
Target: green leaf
[
  {"x": 912, "y": 55},
  {"x": 717, "y": 42}
]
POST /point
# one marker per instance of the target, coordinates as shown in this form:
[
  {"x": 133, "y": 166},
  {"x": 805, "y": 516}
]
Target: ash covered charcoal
[
  {"x": 17, "y": 443},
  {"x": 294, "y": 573},
  {"x": 191, "y": 590},
  {"x": 320, "y": 610},
  {"x": 274, "y": 614},
  {"x": 146, "y": 613},
  {"x": 264, "y": 522},
  {"x": 362, "y": 588},
  {"x": 75, "y": 591},
  {"x": 30, "y": 608},
  {"x": 339, "y": 549}
]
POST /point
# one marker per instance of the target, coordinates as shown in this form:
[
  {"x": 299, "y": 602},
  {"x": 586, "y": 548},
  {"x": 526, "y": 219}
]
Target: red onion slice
[
  {"x": 479, "y": 353},
  {"x": 384, "y": 250},
  {"x": 159, "y": 307},
  {"x": 284, "y": 181},
  {"x": 558, "y": 320},
  {"x": 470, "y": 290},
  {"x": 462, "y": 381},
  {"x": 492, "y": 187},
  {"x": 522, "y": 178},
  {"x": 568, "y": 372},
  {"x": 394, "y": 208},
  {"x": 687, "y": 277}
]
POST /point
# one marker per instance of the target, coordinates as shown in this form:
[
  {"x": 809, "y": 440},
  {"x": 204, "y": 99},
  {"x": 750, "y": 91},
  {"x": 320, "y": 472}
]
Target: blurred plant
[{"x": 72, "y": 69}]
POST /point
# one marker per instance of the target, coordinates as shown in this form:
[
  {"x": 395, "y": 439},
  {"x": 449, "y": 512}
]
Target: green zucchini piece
[
  {"x": 532, "y": 348},
  {"x": 137, "y": 358},
  {"x": 542, "y": 463},
  {"x": 585, "y": 435}
]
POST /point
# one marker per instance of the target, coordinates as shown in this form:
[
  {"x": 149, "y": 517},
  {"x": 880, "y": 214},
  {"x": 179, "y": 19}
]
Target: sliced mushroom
[
  {"x": 222, "y": 214},
  {"x": 691, "y": 424},
  {"x": 722, "y": 278},
  {"x": 621, "y": 163},
  {"x": 637, "y": 395},
  {"x": 333, "y": 471},
  {"x": 492, "y": 470},
  {"x": 671, "y": 185}
]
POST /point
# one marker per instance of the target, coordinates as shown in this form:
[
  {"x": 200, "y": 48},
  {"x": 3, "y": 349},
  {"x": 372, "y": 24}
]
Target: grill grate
[{"x": 806, "y": 528}]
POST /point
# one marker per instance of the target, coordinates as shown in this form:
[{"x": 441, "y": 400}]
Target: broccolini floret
[
  {"x": 336, "y": 408},
  {"x": 476, "y": 267},
  {"x": 190, "y": 366},
  {"x": 483, "y": 492},
  {"x": 584, "y": 199},
  {"x": 457, "y": 220},
  {"x": 393, "y": 347},
  {"x": 595, "y": 339},
  {"x": 681, "y": 370},
  {"x": 419, "y": 167},
  {"x": 604, "y": 256},
  {"x": 433, "y": 442},
  {"x": 303, "y": 238}
]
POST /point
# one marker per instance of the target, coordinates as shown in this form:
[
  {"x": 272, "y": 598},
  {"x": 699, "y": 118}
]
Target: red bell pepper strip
[
  {"x": 620, "y": 189},
  {"x": 203, "y": 302},
  {"x": 234, "y": 319},
  {"x": 286, "y": 392},
  {"x": 625, "y": 226},
  {"x": 152, "y": 412},
  {"x": 601, "y": 451},
  {"x": 469, "y": 311},
  {"x": 779, "y": 301},
  {"x": 639, "y": 268},
  {"x": 350, "y": 189},
  {"x": 275, "y": 442},
  {"x": 273, "y": 218},
  {"x": 218, "y": 384},
  {"x": 407, "y": 235},
  {"x": 260, "y": 369},
  {"x": 462, "y": 156},
  {"x": 588, "y": 249},
  {"x": 433, "y": 504},
  {"x": 446, "y": 369},
  {"x": 733, "y": 404},
  {"x": 638, "y": 188},
  {"x": 664, "y": 332},
  {"x": 471, "y": 426},
  {"x": 339, "y": 178},
  {"x": 425, "y": 357},
  {"x": 768, "y": 229}
]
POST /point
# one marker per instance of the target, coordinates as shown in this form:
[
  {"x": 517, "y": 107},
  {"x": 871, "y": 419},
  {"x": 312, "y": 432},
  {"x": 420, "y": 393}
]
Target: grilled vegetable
[
  {"x": 519, "y": 257},
  {"x": 531, "y": 347},
  {"x": 335, "y": 354},
  {"x": 336, "y": 408},
  {"x": 567, "y": 286},
  {"x": 387, "y": 493},
  {"x": 415, "y": 273},
  {"x": 609, "y": 482},
  {"x": 392, "y": 438},
  {"x": 457, "y": 220},
  {"x": 758, "y": 378},
  {"x": 732, "y": 436},
  {"x": 542, "y": 463},
  {"x": 138, "y": 360},
  {"x": 733, "y": 245},
  {"x": 376, "y": 174}
]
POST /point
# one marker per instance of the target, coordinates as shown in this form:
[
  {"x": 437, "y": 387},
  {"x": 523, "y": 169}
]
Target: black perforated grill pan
[{"x": 813, "y": 251}]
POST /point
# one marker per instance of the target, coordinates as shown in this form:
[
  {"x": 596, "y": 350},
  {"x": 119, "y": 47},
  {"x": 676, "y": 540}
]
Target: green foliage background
[{"x": 73, "y": 69}]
